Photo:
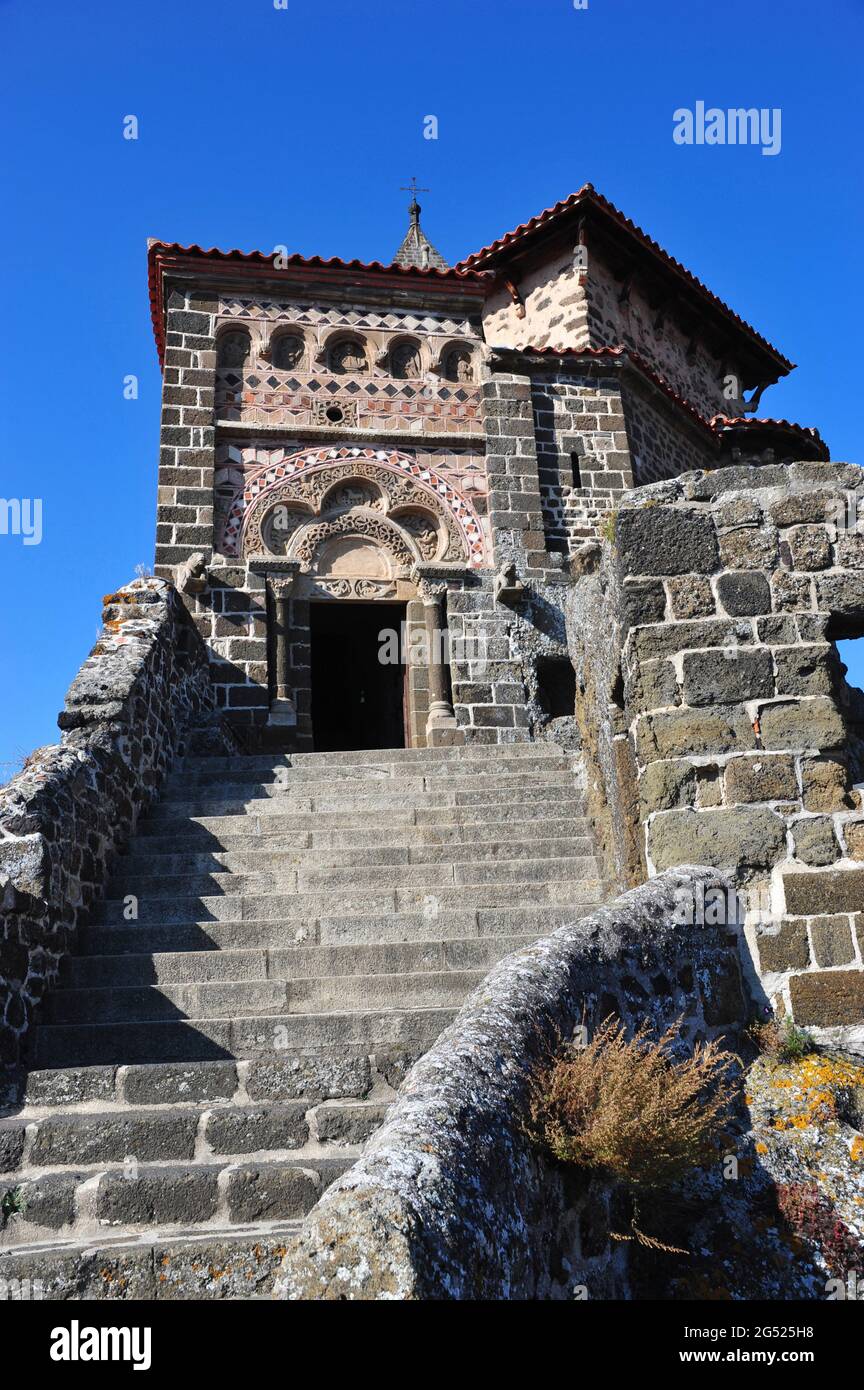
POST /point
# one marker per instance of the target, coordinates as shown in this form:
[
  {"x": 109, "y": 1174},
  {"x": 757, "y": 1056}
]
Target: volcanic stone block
[
  {"x": 765, "y": 777},
  {"x": 724, "y": 677},
  {"x": 696, "y": 632},
  {"x": 666, "y": 540},
  {"x": 777, "y": 629},
  {"x": 749, "y": 548},
  {"x": 815, "y": 841},
  {"x": 791, "y": 592},
  {"x": 801, "y": 507},
  {"x": 11, "y": 1144},
  {"x": 824, "y": 782},
  {"x": 786, "y": 949},
  {"x": 179, "y": 1081},
  {"x": 831, "y": 891},
  {"x": 673, "y": 733},
  {"x": 841, "y": 593},
  {"x": 667, "y": 785},
  {"x": 270, "y": 1192},
  {"x": 828, "y": 998},
  {"x": 692, "y": 596},
  {"x": 652, "y": 685},
  {"x": 832, "y": 941},
  {"x": 736, "y": 836},
  {"x": 804, "y": 670},
  {"x": 254, "y": 1128},
  {"x": 853, "y": 834},
  {"x": 309, "y": 1078},
  {"x": 157, "y": 1195},
  {"x": 815, "y": 723},
  {"x": 643, "y": 602},
  {"x": 744, "y": 593},
  {"x": 49, "y": 1200},
  {"x": 810, "y": 548}
]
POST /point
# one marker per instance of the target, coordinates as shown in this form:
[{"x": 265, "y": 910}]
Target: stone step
[
  {"x": 228, "y": 1132},
  {"x": 382, "y": 877},
  {"x": 506, "y": 891},
  {"x": 349, "y": 930},
  {"x": 311, "y": 1075},
  {"x": 281, "y": 801},
  {"x": 238, "y": 1262},
  {"x": 274, "y": 856},
  {"x": 170, "y": 1195},
  {"x": 299, "y": 962},
  {"x": 197, "y": 838},
  {"x": 218, "y": 999},
  {"x": 185, "y": 1040},
  {"x": 497, "y": 819},
  {"x": 362, "y": 775},
  {"x": 467, "y": 753}
]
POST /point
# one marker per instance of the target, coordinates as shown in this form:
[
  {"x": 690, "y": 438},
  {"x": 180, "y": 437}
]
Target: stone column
[
  {"x": 283, "y": 711},
  {"x": 441, "y": 727}
]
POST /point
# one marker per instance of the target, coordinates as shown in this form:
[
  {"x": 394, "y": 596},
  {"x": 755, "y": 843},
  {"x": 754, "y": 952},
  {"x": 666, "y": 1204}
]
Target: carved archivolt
[{"x": 409, "y": 513}]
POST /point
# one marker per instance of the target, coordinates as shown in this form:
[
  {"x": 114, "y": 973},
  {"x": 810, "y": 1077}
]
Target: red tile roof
[
  {"x": 587, "y": 196},
  {"x": 737, "y": 423},
  {"x": 158, "y": 252}
]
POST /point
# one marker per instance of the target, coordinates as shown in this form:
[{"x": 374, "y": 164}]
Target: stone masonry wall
[
  {"x": 452, "y": 1199},
  {"x": 63, "y": 817},
  {"x": 730, "y": 589}
]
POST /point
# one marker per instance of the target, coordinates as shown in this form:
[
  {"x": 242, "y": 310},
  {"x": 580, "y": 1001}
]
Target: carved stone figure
[
  {"x": 405, "y": 361},
  {"x": 347, "y": 356},
  {"x": 458, "y": 366},
  {"x": 287, "y": 352},
  {"x": 233, "y": 349}
]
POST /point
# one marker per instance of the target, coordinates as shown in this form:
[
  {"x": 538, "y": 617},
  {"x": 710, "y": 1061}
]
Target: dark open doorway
[{"x": 357, "y": 700}]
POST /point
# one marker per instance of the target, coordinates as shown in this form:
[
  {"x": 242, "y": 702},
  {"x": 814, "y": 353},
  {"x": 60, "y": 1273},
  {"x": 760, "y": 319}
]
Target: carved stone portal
[{"x": 356, "y": 520}]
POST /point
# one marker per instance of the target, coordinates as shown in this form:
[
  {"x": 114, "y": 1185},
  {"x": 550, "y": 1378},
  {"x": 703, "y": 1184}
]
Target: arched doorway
[{"x": 346, "y": 538}]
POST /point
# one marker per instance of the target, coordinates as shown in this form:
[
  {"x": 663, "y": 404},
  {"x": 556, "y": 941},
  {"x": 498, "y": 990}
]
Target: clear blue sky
[{"x": 261, "y": 126}]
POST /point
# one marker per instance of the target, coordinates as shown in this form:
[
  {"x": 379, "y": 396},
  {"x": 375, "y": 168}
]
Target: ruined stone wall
[
  {"x": 730, "y": 588},
  {"x": 452, "y": 1199},
  {"x": 63, "y": 817}
]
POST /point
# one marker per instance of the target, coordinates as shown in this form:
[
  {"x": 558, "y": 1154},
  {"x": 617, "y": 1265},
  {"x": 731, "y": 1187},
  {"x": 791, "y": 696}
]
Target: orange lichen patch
[
  {"x": 761, "y": 1148},
  {"x": 857, "y": 1149}
]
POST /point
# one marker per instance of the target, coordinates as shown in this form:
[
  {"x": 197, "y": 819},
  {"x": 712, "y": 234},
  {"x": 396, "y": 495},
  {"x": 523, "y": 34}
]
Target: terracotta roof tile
[{"x": 588, "y": 195}]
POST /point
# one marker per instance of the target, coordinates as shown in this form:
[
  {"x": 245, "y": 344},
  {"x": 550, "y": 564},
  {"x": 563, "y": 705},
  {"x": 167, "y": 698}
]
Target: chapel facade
[{"x": 375, "y": 479}]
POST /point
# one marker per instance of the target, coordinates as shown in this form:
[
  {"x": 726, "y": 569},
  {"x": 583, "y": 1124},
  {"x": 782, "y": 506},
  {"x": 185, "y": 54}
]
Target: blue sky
[{"x": 261, "y": 126}]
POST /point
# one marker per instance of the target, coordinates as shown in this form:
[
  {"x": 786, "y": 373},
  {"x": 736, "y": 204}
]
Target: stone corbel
[
  {"x": 508, "y": 587},
  {"x": 191, "y": 577},
  {"x": 516, "y": 298}
]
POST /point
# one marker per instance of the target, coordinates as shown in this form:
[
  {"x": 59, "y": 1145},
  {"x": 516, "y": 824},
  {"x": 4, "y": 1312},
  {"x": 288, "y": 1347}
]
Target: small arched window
[{"x": 233, "y": 349}]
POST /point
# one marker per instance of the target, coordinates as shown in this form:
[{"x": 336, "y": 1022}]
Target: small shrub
[
  {"x": 12, "y": 1203},
  {"x": 785, "y": 1040},
  {"x": 629, "y": 1110}
]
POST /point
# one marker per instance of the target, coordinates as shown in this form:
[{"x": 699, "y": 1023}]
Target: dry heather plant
[{"x": 629, "y": 1110}]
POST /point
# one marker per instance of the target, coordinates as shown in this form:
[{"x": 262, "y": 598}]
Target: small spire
[{"x": 416, "y": 248}]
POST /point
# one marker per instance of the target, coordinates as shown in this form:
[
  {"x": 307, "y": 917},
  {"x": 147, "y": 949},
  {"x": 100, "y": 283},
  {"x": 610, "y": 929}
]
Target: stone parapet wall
[
  {"x": 63, "y": 817},
  {"x": 729, "y": 589},
  {"x": 452, "y": 1199}
]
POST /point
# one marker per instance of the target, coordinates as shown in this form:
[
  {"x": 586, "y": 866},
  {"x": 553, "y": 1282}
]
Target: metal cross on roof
[{"x": 412, "y": 188}]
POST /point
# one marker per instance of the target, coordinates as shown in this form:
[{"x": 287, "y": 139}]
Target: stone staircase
[{"x": 286, "y": 936}]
